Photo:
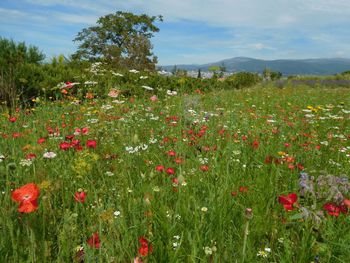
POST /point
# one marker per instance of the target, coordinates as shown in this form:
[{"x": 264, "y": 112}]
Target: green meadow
[{"x": 250, "y": 175}]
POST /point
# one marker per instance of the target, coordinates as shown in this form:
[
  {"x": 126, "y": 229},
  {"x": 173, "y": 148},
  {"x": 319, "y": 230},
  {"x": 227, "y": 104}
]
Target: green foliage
[
  {"x": 15, "y": 58},
  {"x": 15, "y": 54},
  {"x": 121, "y": 40},
  {"x": 242, "y": 80},
  {"x": 215, "y": 70},
  {"x": 345, "y": 73},
  {"x": 271, "y": 75}
]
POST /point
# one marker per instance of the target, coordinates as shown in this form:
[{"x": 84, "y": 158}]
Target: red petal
[
  {"x": 29, "y": 190},
  {"x": 28, "y": 206},
  {"x": 293, "y": 197}
]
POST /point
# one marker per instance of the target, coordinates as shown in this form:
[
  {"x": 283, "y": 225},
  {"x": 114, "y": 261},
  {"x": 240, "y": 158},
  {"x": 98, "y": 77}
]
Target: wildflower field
[{"x": 253, "y": 175}]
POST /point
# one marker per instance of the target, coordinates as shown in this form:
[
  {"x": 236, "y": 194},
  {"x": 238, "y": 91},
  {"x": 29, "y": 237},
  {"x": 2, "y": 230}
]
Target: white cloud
[
  {"x": 256, "y": 28},
  {"x": 228, "y": 13},
  {"x": 258, "y": 46},
  {"x": 76, "y": 19}
]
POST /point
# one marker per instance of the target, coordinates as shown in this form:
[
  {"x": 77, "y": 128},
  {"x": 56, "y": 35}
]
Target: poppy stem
[{"x": 246, "y": 233}]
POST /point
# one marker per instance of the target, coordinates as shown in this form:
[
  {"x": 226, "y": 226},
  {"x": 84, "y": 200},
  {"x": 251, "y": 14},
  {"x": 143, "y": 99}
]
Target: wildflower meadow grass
[{"x": 253, "y": 175}]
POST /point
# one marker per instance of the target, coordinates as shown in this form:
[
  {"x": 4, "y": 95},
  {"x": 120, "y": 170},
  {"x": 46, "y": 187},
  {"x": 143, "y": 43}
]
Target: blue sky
[{"x": 193, "y": 31}]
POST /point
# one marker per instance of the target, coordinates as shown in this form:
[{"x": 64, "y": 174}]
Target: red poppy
[
  {"x": 255, "y": 144},
  {"x": 94, "y": 241},
  {"x": 160, "y": 168},
  {"x": 85, "y": 130},
  {"x": 69, "y": 137},
  {"x": 16, "y": 135},
  {"x": 179, "y": 160},
  {"x": 145, "y": 247},
  {"x": 75, "y": 143},
  {"x": 69, "y": 85},
  {"x": 78, "y": 147},
  {"x": 175, "y": 181},
  {"x": 170, "y": 171},
  {"x": 300, "y": 166},
  {"x": 91, "y": 144},
  {"x": 243, "y": 189},
  {"x": 41, "y": 140},
  {"x": 288, "y": 200},
  {"x": 12, "y": 119},
  {"x": 30, "y": 156},
  {"x": 171, "y": 153},
  {"x": 89, "y": 95},
  {"x": 80, "y": 196},
  {"x": 204, "y": 168},
  {"x": 268, "y": 159},
  {"x": 332, "y": 209},
  {"x": 27, "y": 197},
  {"x": 346, "y": 202},
  {"x": 65, "y": 146}
]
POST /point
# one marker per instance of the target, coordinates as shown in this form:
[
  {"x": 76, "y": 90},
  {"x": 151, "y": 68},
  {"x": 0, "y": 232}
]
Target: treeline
[{"x": 116, "y": 54}]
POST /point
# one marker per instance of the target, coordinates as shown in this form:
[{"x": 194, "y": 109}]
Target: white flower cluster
[
  {"x": 49, "y": 155},
  {"x": 96, "y": 68},
  {"x": 116, "y": 214},
  {"x": 117, "y": 74},
  {"x": 176, "y": 242},
  {"x": 264, "y": 253},
  {"x": 136, "y": 149},
  {"x": 26, "y": 162},
  {"x": 171, "y": 92},
  {"x": 147, "y": 88},
  {"x": 63, "y": 85}
]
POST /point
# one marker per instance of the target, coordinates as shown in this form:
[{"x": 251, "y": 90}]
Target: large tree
[{"x": 121, "y": 39}]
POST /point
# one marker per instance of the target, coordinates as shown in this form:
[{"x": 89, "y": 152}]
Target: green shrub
[{"x": 242, "y": 80}]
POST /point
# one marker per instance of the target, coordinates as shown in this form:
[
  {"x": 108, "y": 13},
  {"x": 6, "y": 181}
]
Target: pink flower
[
  {"x": 113, "y": 93},
  {"x": 83, "y": 131},
  {"x": 153, "y": 98}
]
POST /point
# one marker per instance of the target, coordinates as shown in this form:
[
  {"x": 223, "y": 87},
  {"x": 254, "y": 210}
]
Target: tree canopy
[
  {"x": 121, "y": 39},
  {"x": 12, "y": 53}
]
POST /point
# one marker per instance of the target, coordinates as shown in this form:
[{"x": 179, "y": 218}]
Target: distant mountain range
[{"x": 287, "y": 67}]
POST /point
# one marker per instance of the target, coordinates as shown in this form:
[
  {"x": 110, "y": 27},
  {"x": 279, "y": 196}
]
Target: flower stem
[{"x": 246, "y": 233}]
